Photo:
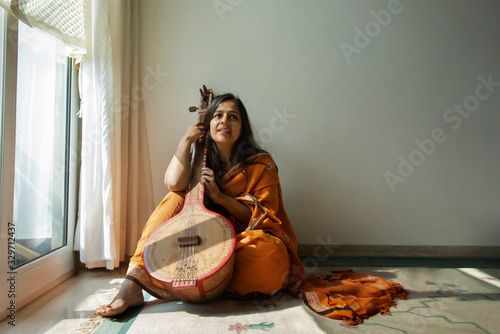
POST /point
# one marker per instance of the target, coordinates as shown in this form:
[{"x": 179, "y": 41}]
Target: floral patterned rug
[{"x": 439, "y": 301}]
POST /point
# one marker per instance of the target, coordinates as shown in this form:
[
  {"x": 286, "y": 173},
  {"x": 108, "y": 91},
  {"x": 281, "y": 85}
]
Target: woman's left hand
[
  {"x": 211, "y": 187},
  {"x": 237, "y": 209}
]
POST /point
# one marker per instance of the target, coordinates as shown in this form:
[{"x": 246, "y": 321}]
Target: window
[
  {"x": 38, "y": 145},
  {"x": 41, "y": 157}
]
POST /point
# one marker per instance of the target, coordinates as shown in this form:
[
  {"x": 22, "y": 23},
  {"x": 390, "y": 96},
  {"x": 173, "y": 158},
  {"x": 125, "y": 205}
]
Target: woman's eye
[{"x": 217, "y": 116}]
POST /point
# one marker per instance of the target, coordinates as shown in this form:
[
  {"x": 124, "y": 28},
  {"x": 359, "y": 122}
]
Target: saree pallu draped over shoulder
[{"x": 266, "y": 258}]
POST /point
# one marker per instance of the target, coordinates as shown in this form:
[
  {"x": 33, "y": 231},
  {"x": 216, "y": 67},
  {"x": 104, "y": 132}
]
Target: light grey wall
[{"x": 342, "y": 111}]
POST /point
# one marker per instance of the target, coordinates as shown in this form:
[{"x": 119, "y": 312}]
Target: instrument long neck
[
  {"x": 199, "y": 157},
  {"x": 195, "y": 189}
]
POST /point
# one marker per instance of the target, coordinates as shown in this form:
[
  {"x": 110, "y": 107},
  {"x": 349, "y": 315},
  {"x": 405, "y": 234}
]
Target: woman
[{"x": 241, "y": 183}]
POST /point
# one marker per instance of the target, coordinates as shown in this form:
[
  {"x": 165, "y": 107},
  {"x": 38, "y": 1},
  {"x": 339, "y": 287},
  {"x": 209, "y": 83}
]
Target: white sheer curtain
[
  {"x": 115, "y": 180},
  {"x": 116, "y": 195}
]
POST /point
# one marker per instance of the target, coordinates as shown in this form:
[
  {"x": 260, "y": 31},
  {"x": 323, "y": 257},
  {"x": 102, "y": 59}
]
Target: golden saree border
[{"x": 148, "y": 283}]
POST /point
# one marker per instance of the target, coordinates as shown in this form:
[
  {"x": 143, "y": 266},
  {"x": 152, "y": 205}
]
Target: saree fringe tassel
[{"x": 349, "y": 296}]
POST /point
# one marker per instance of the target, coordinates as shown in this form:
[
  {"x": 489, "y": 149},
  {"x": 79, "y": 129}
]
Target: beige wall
[{"x": 341, "y": 92}]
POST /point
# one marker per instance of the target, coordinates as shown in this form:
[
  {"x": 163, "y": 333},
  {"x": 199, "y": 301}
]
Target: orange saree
[{"x": 266, "y": 257}]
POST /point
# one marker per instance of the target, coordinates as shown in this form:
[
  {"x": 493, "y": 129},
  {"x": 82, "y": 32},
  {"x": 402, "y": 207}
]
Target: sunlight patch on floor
[{"x": 481, "y": 275}]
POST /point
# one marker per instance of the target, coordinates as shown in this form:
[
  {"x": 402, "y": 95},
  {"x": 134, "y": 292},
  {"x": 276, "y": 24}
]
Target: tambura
[{"x": 192, "y": 254}]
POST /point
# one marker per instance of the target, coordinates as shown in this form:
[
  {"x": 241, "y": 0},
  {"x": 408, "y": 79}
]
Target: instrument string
[
  {"x": 179, "y": 263},
  {"x": 191, "y": 254},
  {"x": 183, "y": 265}
]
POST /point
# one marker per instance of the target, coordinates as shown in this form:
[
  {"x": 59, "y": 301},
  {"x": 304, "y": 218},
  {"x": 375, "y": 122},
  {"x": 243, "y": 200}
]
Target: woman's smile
[{"x": 224, "y": 130}]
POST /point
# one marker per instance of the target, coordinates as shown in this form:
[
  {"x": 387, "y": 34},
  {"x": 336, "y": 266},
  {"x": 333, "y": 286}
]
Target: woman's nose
[{"x": 225, "y": 119}]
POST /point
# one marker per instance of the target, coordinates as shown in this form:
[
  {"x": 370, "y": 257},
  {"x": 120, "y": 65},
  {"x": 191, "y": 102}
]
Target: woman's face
[{"x": 225, "y": 126}]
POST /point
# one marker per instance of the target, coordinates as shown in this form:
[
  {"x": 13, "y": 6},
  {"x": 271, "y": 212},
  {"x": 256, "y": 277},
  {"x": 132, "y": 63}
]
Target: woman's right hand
[
  {"x": 177, "y": 173},
  {"x": 194, "y": 132}
]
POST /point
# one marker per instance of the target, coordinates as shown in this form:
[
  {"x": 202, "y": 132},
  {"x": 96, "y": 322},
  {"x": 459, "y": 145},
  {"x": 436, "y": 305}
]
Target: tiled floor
[{"x": 70, "y": 304}]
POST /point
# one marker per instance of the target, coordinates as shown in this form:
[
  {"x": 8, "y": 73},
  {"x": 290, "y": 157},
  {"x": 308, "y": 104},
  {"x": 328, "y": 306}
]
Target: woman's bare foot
[{"x": 130, "y": 294}]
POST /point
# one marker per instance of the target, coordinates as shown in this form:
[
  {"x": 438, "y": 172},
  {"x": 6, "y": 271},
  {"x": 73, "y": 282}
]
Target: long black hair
[{"x": 244, "y": 148}]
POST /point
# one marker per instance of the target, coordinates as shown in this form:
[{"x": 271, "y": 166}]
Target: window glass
[{"x": 41, "y": 145}]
